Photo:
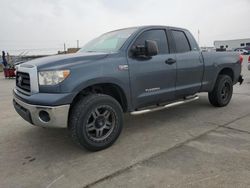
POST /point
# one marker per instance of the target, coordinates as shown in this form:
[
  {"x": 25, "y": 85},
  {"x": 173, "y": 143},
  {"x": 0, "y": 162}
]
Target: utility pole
[
  {"x": 198, "y": 37},
  {"x": 64, "y": 47},
  {"x": 77, "y": 43}
]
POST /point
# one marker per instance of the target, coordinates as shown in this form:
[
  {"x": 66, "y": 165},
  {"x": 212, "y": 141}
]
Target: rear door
[
  {"x": 189, "y": 64},
  {"x": 152, "y": 79}
]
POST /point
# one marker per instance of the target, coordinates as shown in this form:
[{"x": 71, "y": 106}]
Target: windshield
[{"x": 108, "y": 42}]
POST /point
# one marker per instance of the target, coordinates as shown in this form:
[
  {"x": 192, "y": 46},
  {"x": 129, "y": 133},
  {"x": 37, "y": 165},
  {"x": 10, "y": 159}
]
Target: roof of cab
[{"x": 150, "y": 27}]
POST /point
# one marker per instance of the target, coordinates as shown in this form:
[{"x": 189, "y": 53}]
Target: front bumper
[{"x": 44, "y": 116}]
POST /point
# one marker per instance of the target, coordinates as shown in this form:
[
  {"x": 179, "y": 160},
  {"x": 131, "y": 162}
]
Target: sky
[{"x": 43, "y": 26}]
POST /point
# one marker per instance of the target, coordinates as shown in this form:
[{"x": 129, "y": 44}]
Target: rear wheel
[
  {"x": 96, "y": 121},
  {"x": 222, "y": 92}
]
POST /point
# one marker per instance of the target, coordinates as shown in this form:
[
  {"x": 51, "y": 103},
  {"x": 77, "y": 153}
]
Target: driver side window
[{"x": 158, "y": 35}]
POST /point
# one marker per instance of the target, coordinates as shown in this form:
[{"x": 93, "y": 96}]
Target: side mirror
[
  {"x": 151, "y": 48},
  {"x": 139, "y": 50}
]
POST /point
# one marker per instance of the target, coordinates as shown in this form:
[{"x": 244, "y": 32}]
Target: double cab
[{"x": 127, "y": 70}]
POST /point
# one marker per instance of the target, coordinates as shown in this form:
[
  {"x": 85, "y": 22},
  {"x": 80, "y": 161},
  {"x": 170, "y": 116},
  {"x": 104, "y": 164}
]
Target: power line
[{"x": 34, "y": 49}]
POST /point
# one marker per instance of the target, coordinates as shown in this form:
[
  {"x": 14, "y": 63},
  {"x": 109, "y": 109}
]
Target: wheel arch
[
  {"x": 227, "y": 71},
  {"x": 108, "y": 88}
]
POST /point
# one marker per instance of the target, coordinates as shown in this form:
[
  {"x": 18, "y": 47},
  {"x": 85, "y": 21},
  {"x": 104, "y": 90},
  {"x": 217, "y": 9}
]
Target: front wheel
[
  {"x": 222, "y": 92},
  {"x": 96, "y": 121}
]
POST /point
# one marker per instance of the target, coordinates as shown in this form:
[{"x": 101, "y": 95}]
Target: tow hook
[{"x": 240, "y": 80}]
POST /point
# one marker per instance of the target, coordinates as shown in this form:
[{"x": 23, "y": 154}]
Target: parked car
[
  {"x": 248, "y": 62},
  {"x": 242, "y": 51},
  {"x": 127, "y": 70},
  {"x": 247, "y": 49}
]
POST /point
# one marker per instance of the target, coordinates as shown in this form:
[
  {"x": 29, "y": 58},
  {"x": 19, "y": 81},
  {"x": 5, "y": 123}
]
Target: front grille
[{"x": 23, "y": 81}]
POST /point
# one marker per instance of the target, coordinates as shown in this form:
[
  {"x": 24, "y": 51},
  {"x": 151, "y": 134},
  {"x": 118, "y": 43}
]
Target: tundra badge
[{"x": 123, "y": 67}]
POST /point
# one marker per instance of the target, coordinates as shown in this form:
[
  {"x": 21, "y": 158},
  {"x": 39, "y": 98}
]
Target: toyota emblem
[{"x": 20, "y": 79}]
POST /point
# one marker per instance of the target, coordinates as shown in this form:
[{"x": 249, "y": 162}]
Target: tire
[
  {"x": 222, "y": 92},
  {"x": 96, "y": 122}
]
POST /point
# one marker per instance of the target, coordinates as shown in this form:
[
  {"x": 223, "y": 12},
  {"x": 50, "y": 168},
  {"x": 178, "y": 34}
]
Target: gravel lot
[{"x": 193, "y": 145}]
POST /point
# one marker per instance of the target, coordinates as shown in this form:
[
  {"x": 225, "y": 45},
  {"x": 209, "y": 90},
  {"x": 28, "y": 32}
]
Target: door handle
[{"x": 170, "y": 61}]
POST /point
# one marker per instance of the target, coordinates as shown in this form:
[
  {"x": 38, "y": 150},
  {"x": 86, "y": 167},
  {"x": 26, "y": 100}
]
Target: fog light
[{"x": 44, "y": 116}]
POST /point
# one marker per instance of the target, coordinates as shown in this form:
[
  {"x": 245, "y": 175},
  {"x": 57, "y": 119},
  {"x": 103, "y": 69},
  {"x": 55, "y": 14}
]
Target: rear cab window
[{"x": 181, "y": 41}]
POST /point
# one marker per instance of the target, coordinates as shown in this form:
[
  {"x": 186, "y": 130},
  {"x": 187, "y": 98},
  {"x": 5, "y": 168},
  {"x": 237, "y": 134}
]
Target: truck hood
[{"x": 66, "y": 60}]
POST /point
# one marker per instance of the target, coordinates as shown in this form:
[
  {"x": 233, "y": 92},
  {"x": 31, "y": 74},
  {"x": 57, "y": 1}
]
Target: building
[
  {"x": 230, "y": 45},
  {"x": 207, "y": 49},
  {"x": 69, "y": 51}
]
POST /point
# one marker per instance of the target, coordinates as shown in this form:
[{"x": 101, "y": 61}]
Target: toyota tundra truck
[{"x": 130, "y": 70}]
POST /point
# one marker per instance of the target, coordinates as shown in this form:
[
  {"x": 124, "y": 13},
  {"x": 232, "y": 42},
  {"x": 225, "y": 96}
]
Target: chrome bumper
[{"x": 34, "y": 114}]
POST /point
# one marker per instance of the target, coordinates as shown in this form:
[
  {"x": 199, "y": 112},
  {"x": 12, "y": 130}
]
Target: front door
[{"x": 152, "y": 79}]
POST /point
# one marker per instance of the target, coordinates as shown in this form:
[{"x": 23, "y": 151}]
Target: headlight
[{"x": 52, "y": 77}]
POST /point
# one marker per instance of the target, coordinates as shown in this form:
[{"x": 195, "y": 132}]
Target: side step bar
[{"x": 185, "y": 100}]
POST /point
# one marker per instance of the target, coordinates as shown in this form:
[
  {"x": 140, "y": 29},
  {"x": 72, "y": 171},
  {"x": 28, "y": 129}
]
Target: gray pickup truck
[{"x": 127, "y": 70}]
